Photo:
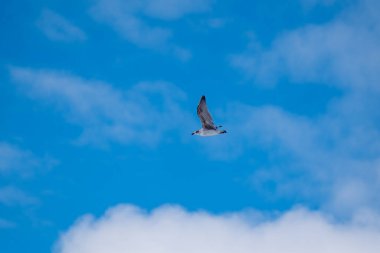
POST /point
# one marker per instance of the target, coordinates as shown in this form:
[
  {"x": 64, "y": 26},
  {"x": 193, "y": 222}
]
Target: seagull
[{"x": 208, "y": 127}]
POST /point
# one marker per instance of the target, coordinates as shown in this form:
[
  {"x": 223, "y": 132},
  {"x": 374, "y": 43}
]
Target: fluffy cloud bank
[{"x": 171, "y": 229}]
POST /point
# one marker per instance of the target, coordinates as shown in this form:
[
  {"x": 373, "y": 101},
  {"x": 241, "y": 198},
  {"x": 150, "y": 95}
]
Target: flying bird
[{"x": 208, "y": 126}]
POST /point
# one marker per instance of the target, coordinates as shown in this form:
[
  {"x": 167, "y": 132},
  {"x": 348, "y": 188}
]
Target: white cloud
[
  {"x": 344, "y": 52},
  {"x": 120, "y": 16},
  {"x": 171, "y": 229},
  {"x": 129, "y": 19},
  {"x": 14, "y": 160},
  {"x": 11, "y": 196},
  {"x": 332, "y": 159},
  {"x": 56, "y": 27},
  {"x": 107, "y": 114}
]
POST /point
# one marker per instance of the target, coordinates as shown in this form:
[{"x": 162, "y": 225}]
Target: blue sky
[{"x": 98, "y": 100}]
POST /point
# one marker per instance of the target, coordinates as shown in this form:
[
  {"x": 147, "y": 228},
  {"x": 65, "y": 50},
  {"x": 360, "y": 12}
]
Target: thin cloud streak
[
  {"x": 24, "y": 163},
  {"x": 12, "y": 196},
  {"x": 57, "y": 28}
]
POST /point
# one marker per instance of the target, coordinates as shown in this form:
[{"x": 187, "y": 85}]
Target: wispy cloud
[
  {"x": 141, "y": 114},
  {"x": 337, "y": 153},
  {"x": 12, "y": 196},
  {"x": 15, "y": 160},
  {"x": 130, "y": 19},
  {"x": 57, "y": 28},
  {"x": 172, "y": 229},
  {"x": 344, "y": 52},
  {"x": 333, "y": 158}
]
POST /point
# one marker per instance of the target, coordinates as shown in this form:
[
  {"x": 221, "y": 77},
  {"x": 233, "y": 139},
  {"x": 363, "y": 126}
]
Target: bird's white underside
[{"x": 208, "y": 132}]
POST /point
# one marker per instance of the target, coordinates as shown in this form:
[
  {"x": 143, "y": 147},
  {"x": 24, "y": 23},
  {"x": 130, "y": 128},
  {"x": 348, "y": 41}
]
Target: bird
[{"x": 208, "y": 126}]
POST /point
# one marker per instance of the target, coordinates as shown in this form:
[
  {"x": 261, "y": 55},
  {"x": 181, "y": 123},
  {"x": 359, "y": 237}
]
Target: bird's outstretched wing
[{"x": 204, "y": 115}]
